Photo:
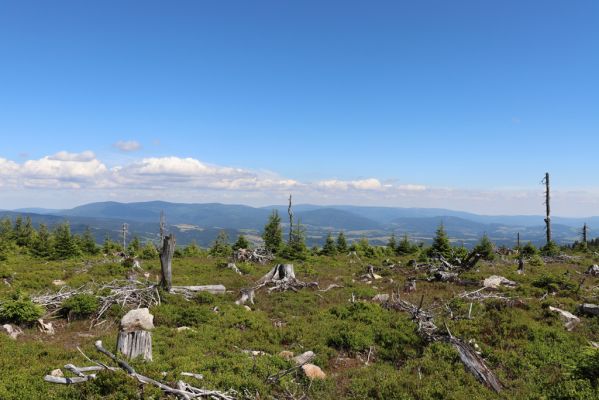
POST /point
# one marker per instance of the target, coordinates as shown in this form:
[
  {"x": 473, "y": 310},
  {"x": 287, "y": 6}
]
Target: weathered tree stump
[
  {"x": 280, "y": 272},
  {"x": 134, "y": 339}
]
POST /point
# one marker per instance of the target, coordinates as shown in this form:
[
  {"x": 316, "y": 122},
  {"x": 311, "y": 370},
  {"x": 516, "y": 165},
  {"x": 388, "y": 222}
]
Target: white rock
[
  {"x": 248, "y": 308},
  {"x": 381, "y": 298},
  {"x": 46, "y": 328},
  {"x": 139, "y": 319},
  {"x": 593, "y": 270},
  {"x": 183, "y": 328},
  {"x": 495, "y": 281},
  {"x": 286, "y": 354},
  {"x": 570, "y": 320},
  {"x": 58, "y": 282},
  {"x": 313, "y": 371},
  {"x": 57, "y": 373},
  {"x": 12, "y": 331},
  {"x": 304, "y": 358}
]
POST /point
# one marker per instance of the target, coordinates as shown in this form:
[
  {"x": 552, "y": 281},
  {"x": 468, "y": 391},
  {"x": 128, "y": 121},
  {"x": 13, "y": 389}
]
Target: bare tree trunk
[
  {"x": 290, "y": 212},
  {"x": 214, "y": 289},
  {"x": 584, "y": 234},
  {"x": 518, "y": 242},
  {"x": 166, "y": 259},
  {"x": 125, "y": 230},
  {"x": 520, "y": 264},
  {"x": 548, "y": 207},
  {"x": 162, "y": 227}
]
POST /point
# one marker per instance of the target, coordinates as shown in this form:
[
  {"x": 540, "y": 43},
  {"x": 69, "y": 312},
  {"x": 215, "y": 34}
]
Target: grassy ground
[{"x": 366, "y": 350}]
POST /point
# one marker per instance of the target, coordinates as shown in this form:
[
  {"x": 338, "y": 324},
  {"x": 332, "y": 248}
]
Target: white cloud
[
  {"x": 127, "y": 145},
  {"x": 363, "y": 184},
  {"x": 412, "y": 188},
  {"x": 72, "y": 178},
  {"x": 71, "y": 170},
  {"x": 66, "y": 156}
]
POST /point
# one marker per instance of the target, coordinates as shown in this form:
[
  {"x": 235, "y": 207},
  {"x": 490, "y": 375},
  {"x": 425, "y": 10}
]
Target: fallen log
[
  {"x": 214, "y": 289},
  {"x": 429, "y": 332},
  {"x": 475, "y": 364},
  {"x": 331, "y": 286},
  {"x": 68, "y": 381},
  {"x": 183, "y": 390}
]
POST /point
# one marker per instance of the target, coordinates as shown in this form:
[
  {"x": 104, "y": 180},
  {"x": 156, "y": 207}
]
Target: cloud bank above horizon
[{"x": 68, "y": 179}]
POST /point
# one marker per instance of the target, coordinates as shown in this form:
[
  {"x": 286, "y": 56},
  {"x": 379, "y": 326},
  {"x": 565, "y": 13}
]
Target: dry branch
[
  {"x": 258, "y": 256},
  {"x": 429, "y": 332}
]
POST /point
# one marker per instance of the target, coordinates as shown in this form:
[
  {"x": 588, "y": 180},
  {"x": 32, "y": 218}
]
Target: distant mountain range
[{"x": 202, "y": 222}]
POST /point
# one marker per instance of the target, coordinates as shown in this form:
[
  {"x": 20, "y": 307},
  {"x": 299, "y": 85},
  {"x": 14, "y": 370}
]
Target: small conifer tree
[
  {"x": 65, "y": 245},
  {"x": 441, "y": 245},
  {"x": 329, "y": 248},
  {"x": 241, "y": 243},
  {"x": 221, "y": 246},
  {"x": 273, "y": 233},
  {"x": 342, "y": 246}
]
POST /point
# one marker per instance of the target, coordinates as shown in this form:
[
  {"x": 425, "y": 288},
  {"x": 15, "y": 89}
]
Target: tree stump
[
  {"x": 134, "y": 339},
  {"x": 280, "y": 272}
]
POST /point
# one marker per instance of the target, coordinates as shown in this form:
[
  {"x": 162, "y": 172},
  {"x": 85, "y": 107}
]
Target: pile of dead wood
[{"x": 258, "y": 256}]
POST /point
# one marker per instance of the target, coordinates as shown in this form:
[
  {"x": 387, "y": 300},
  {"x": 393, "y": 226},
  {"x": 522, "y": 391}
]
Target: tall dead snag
[
  {"x": 166, "y": 260},
  {"x": 548, "y": 207},
  {"x": 135, "y": 339},
  {"x": 585, "y": 231},
  {"x": 162, "y": 226},
  {"x": 290, "y": 212}
]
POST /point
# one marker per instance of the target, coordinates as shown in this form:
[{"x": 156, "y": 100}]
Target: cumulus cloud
[
  {"x": 83, "y": 176},
  {"x": 363, "y": 184},
  {"x": 127, "y": 145},
  {"x": 63, "y": 169}
]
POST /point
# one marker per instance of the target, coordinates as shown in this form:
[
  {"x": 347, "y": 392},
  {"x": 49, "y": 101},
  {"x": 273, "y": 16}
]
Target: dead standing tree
[
  {"x": 547, "y": 207},
  {"x": 166, "y": 259},
  {"x": 167, "y": 252},
  {"x": 290, "y": 212}
]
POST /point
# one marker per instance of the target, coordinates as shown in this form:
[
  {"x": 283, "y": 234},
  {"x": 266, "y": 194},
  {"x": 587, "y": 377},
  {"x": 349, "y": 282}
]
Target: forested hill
[{"x": 202, "y": 222}]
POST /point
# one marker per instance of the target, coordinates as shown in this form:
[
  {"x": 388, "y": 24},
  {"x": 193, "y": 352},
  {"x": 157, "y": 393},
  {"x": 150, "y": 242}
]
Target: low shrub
[
  {"x": 80, "y": 306},
  {"x": 553, "y": 283},
  {"x": 204, "y": 298},
  {"x": 19, "y": 310}
]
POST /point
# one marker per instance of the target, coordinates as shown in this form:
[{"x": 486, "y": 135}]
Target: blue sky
[{"x": 461, "y": 104}]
